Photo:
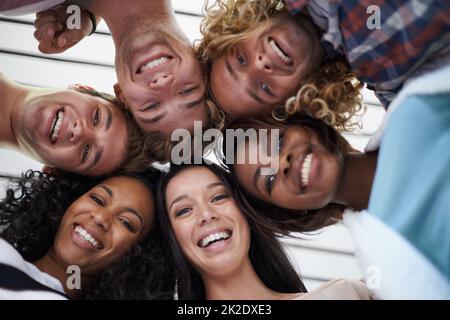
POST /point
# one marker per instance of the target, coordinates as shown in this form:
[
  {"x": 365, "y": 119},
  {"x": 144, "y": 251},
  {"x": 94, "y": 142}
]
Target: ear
[{"x": 119, "y": 93}]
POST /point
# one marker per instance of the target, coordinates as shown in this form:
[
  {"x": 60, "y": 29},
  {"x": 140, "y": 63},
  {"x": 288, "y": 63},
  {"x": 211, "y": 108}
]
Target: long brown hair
[{"x": 268, "y": 257}]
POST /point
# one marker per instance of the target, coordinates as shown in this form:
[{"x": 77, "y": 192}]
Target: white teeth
[
  {"x": 56, "y": 125},
  {"x": 306, "y": 169},
  {"x": 208, "y": 240},
  {"x": 279, "y": 52},
  {"x": 86, "y": 236},
  {"x": 154, "y": 63}
]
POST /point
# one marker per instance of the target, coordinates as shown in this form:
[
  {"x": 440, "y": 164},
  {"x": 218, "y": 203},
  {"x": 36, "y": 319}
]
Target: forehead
[
  {"x": 130, "y": 191},
  {"x": 190, "y": 179}
]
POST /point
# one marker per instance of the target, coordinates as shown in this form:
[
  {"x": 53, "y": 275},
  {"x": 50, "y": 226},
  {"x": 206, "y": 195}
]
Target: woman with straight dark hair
[
  {"x": 78, "y": 238},
  {"x": 219, "y": 252}
]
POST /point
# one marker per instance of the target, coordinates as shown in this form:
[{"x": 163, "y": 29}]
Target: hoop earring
[{"x": 279, "y": 114}]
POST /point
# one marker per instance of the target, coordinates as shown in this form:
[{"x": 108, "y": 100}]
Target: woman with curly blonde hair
[{"x": 259, "y": 56}]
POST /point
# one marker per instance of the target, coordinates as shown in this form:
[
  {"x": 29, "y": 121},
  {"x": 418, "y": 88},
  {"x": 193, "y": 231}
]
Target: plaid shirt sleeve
[{"x": 410, "y": 34}]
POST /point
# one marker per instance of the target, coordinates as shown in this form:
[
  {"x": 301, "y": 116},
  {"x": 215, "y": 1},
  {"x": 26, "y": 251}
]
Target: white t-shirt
[{"x": 10, "y": 257}]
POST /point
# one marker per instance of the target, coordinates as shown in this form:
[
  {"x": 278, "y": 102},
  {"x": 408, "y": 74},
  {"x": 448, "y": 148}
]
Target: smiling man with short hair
[
  {"x": 159, "y": 77},
  {"x": 66, "y": 129}
]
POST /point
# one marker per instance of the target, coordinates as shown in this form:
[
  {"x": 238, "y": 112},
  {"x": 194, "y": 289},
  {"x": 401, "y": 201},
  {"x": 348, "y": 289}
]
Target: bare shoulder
[{"x": 340, "y": 289}]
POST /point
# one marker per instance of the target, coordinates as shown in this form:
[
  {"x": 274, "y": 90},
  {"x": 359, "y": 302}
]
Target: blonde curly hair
[
  {"x": 228, "y": 22},
  {"x": 331, "y": 92}
]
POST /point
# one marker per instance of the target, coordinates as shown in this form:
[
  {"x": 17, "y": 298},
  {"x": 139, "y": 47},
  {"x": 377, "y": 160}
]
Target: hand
[{"x": 52, "y": 33}]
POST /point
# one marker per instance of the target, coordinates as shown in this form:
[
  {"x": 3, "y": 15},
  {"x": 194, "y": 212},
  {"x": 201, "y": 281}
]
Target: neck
[
  {"x": 12, "y": 98},
  {"x": 240, "y": 284},
  {"x": 52, "y": 266},
  {"x": 117, "y": 13},
  {"x": 356, "y": 183}
]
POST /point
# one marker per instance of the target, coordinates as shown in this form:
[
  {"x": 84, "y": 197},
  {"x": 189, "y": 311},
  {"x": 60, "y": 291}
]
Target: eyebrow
[
  {"x": 214, "y": 184},
  {"x": 252, "y": 94},
  {"x": 97, "y": 157},
  {"x": 108, "y": 119},
  {"x": 131, "y": 210},
  {"x": 230, "y": 69},
  {"x": 177, "y": 199},
  {"x": 194, "y": 103},
  {"x": 156, "y": 118}
]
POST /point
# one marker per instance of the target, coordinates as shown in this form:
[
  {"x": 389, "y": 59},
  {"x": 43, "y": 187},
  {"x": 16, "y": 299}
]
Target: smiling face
[
  {"x": 72, "y": 131},
  {"x": 307, "y": 177},
  {"x": 265, "y": 69},
  {"x": 161, "y": 81},
  {"x": 209, "y": 227},
  {"x": 101, "y": 226}
]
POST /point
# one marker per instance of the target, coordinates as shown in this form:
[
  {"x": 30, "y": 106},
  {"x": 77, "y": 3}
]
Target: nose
[
  {"x": 161, "y": 80},
  {"x": 77, "y": 131},
  {"x": 101, "y": 219},
  {"x": 286, "y": 163},
  {"x": 263, "y": 62},
  {"x": 207, "y": 215}
]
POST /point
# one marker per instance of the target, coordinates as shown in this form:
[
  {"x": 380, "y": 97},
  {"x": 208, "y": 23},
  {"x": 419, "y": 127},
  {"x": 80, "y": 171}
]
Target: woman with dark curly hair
[
  {"x": 318, "y": 176},
  {"x": 220, "y": 252},
  {"x": 55, "y": 229}
]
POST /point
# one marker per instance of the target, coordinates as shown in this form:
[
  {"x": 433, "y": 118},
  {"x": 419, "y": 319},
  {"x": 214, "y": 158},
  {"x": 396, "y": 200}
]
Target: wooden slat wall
[{"x": 322, "y": 257}]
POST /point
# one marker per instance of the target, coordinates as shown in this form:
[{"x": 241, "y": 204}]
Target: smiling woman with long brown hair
[{"x": 221, "y": 252}]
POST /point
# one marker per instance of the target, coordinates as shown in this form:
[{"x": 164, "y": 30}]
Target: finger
[
  {"x": 69, "y": 38},
  {"x": 47, "y": 31},
  {"x": 49, "y": 45},
  {"x": 43, "y": 20},
  {"x": 46, "y": 46}
]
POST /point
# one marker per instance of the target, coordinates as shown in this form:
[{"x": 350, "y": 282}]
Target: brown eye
[
  {"x": 126, "y": 224},
  {"x": 265, "y": 87},
  {"x": 182, "y": 212},
  {"x": 85, "y": 152},
  {"x": 96, "y": 117},
  {"x": 97, "y": 200},
  {"x": 189, "y": 90},
  {"x": 241, "y": 59},
  {"x": 220, "y": 197},
  {"x": 151, "y": 106}
]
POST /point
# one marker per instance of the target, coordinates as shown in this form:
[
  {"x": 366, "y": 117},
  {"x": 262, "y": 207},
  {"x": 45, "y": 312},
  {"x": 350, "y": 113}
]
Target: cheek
[{"x": 183, "y": 235}]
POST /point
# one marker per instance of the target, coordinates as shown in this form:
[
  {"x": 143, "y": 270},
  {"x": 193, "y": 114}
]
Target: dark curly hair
[
  {"x": 282, "y": 220},
  {"x": 266, "y": 253},
  {"x": 30, "y": 216}
]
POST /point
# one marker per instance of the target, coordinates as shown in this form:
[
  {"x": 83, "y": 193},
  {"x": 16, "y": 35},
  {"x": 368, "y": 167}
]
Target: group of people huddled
[{"x": 101, "y": 222}]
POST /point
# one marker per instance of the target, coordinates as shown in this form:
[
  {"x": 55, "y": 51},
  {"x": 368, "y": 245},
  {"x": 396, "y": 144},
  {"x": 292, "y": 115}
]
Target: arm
[{"x": 52, "y": 30}]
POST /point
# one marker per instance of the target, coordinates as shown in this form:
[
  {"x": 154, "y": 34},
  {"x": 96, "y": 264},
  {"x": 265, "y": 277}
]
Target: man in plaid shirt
[{"x": 413, "y": 37}]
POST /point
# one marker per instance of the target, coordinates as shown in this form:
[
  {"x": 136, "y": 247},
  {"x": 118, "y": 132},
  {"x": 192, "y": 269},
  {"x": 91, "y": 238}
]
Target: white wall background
[{"x": 326, "y": 255}]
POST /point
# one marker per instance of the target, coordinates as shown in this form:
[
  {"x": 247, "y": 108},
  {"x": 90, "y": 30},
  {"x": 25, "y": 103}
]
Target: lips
[
  {"x": 279, "y": 53},
  {"x": 154, "y": 63},
  {"x": 55, "y": 125},
  {"x": 302, "y": 170},
  {"x": 86, "y": 239},
  {"x": 278, "y": 49},
  {"x": 214, "y": 238}
]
